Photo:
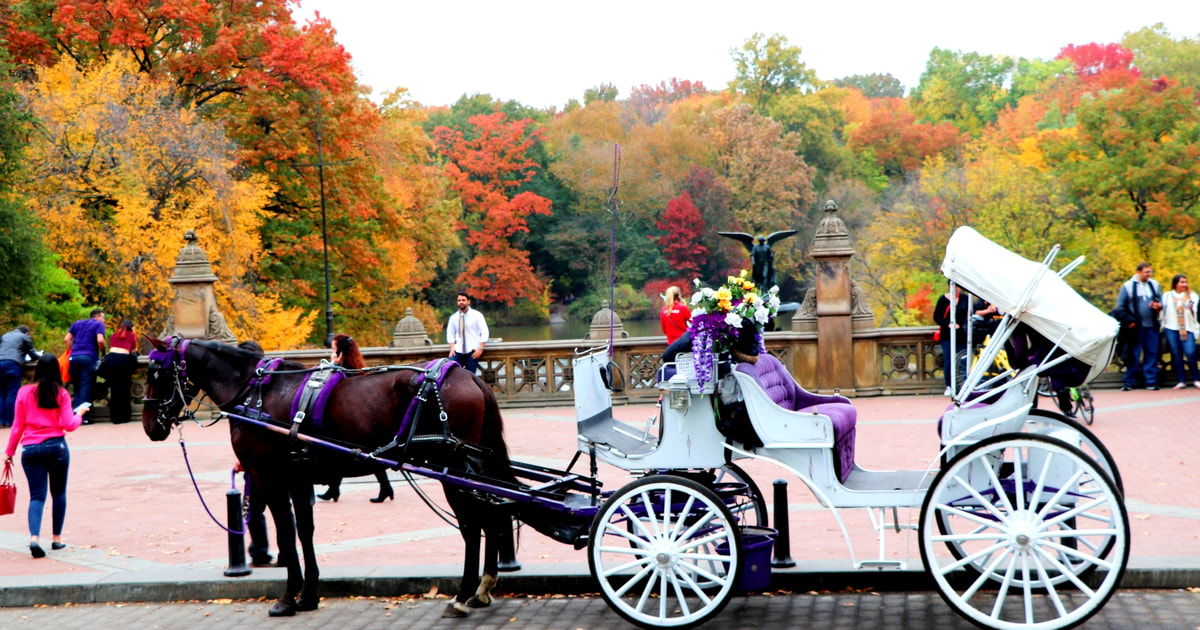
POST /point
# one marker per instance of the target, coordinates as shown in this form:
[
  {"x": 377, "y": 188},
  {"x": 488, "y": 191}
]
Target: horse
[{"x": 365, "y": 412}]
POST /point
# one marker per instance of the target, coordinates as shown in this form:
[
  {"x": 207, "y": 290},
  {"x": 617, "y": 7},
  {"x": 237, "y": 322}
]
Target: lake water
[{"x": 560, "y": 331}]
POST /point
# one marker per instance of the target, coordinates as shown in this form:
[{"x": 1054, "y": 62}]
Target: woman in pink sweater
[{"x": 42, "y": 417}]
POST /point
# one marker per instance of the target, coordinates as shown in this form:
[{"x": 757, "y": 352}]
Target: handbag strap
[{"x": 7, "y": 478}]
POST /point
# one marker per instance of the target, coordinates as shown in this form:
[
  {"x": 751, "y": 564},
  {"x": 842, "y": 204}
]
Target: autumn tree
[
  {"x": 766, "y": 68},
  {"x": 682, "y": 228},
  {"x": 486, "y": 169},
  {"x": 122, "y": 174},
  {"x": 1157, "y": 53},
  {"x": 648, "y": 103},
  {"x": 1101, "y": 66},
  {"x": 896, "y": 141}
]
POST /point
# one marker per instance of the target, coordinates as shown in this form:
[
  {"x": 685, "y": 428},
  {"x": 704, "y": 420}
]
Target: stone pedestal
[
  {"x": 410, "y": 332},
  {"x": 835, "y": 307},
  {"x": 195, "y": 314}
]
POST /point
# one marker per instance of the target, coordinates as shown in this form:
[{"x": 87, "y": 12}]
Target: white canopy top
[{"x": 1054, "y": 309}]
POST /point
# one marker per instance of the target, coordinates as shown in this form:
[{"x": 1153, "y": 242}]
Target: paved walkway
[{"x": 136, "y": 530}]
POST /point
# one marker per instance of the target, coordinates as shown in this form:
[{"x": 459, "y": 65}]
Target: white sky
[{"x": 544, "y": 53}]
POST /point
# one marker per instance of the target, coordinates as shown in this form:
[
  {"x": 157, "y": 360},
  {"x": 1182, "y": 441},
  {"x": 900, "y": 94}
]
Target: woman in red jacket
[
  {"x": 674, "y": 315},
  {"x": 42, "y": 417}
]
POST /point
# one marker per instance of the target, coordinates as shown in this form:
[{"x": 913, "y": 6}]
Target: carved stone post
[
  {"x": 831, "y": 251},
  {"x": 195, "y": 314},
  {"x": 599, "y": 329},
  {"x": 410, "y": 332}
]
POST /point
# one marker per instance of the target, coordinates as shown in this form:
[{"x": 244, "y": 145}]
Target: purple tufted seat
[{"x": 781, "y": 388}]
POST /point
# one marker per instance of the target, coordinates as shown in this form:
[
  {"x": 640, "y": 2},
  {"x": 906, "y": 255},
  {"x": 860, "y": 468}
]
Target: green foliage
[
  {"x": 1156, "y": 53},
  {"x": 767, "y": 68},
  {"x": 53, "y": 305},
  {"x": 874, "y": 85},
  {"x": 631, "y": 304},
  {"x": 967, "y": 89},
  {"x": 605, "y": 92}
]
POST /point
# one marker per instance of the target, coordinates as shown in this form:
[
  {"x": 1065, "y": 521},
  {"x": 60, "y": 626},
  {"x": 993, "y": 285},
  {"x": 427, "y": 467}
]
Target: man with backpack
[{"x": 1139, "y": 304}]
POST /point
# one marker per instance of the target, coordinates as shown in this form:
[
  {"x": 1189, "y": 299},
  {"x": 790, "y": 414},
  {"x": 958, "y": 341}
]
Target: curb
[{"x": 543, "y": 579}]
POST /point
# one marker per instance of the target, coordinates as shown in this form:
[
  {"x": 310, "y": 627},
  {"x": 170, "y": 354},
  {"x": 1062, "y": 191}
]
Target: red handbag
[{"x": 8, "y": 491}]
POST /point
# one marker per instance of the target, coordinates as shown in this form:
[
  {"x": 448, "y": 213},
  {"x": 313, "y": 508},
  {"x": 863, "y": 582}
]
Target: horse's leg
[
  {"x": 469, "y": 528},
  {"x": 496, "y": 521},
  {"x": 285, "y": 540},
  {"x": 302, "y": 500}
]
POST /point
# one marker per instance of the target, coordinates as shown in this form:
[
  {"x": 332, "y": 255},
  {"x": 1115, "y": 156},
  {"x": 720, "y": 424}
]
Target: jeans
[
  {"x": 1144, "y": 358},
  {"x": 83, "y": 377},
  {"x": 467, "y": 360},
  {"x": 10, "y": 384},
  {"x": 45, "y": 467},
  {"x": 1183, "y": 355},
  {"x": 256, "y": 524}
]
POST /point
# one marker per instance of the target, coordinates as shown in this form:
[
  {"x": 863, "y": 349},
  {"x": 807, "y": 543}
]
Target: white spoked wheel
[
  {"x": 745, "y": 501},
  {"x": 666, "y": 552},
  {"x": 1029, "y": 515},
  {"x": 1046, "y": 422}
]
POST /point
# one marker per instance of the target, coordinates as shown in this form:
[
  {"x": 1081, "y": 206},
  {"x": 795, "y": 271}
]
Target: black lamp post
[{"x": 321, "y": 164}]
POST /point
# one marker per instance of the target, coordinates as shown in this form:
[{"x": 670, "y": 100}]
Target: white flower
[
  {"x": 696, "y": 281},
  {"x": 761, "y": 315},
  {"x": 774, "y": 290},
  {"x": 733, "y": 319},
  {"x": 775, "y": 302},
  {"x": 696, "y": 297},
  {"x": 698, "y": 311},
  {"x": 708, "y": 292}
]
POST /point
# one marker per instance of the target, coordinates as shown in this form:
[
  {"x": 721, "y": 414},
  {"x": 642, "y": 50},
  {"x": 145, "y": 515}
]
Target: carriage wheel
[
  {"x": 666, "y": 552},
  {"x": 1031, "y": 514},
  {"x": 1045, "y": 421},
  {"x": 746, "y": 500},
  {"x": 1085, "y": 407}
]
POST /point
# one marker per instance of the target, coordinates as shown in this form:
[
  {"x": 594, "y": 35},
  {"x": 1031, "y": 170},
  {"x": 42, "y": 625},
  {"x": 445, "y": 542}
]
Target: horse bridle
[{"x": 173, "y": 359}]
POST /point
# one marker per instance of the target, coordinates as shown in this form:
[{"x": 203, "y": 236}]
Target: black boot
[
  {"x": 334, "y": 491},
  {"x": 385, "y": 489}
]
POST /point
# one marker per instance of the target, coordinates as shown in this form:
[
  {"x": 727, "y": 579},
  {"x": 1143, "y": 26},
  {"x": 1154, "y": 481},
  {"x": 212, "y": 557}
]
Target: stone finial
[
  {"x": 191, "y": 265},
  {"x": 194, "y": 313},
  {"x": 831, "y": 238},
  {"x": 601, "y": 324},
  {"x": 410, "y": 332}
]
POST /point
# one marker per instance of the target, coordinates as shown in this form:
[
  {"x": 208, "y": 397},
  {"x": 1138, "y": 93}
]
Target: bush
[{"x": 631, "y": 304}]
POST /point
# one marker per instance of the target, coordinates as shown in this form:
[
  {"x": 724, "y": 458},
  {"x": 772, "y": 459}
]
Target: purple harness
[{"x": 313, "y": 395}]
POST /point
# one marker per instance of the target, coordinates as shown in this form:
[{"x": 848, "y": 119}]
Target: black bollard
[
  {"x": 782, "y": 556},
  {"x": 508, "y": 552},
  {"x": 237, "y": 541}
]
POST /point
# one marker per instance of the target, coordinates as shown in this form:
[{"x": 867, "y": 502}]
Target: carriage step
[{"x": 881, "y": 564}]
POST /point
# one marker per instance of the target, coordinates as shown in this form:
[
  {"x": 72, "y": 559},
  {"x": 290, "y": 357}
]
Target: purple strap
[
  {"x": 414, "y": 403},
  {"x": 317, "y": 411}
]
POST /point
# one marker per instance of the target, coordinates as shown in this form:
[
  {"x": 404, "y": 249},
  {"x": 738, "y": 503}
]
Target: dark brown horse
[{"x": 365, "y": 411}]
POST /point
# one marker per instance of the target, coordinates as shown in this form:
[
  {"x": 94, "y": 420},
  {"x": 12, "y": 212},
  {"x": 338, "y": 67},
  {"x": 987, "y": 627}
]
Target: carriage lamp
[{"x": 680, "y": 399}]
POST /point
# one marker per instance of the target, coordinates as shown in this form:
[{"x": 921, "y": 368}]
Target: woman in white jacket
[{"x": 1181, "y": 329}]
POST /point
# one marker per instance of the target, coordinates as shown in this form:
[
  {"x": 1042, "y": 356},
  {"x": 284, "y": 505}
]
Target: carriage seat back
[{"x": 779, "y": 386}]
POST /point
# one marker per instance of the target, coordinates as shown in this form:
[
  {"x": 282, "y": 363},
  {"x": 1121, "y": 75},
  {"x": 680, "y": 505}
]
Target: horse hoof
[
  {"x": 455, "y": 610},
  {"x": 305, "y": 604},
  {"x": 282, "y": 609},
  {"x": 475, "y": 602}
]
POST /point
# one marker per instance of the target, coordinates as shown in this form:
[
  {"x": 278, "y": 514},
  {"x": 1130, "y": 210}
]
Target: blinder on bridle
[{"x": 170, "y": 364}]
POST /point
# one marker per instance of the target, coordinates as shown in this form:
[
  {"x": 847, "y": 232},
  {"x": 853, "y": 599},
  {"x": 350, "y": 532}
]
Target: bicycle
[{"x": 1082, "y": 404}]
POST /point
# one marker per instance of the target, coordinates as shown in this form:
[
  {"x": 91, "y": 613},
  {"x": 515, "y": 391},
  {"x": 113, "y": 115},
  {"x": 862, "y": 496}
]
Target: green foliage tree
[
  {"x": 1157, "y": 53},
  {"x": 21, "y": 251},
  {"x": 873, "y": 85},
  {"x": 967, "y": 89},
  {"x": 766, "y": 68}
]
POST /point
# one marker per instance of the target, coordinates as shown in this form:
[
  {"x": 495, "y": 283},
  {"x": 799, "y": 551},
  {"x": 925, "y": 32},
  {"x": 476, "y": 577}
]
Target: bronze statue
[{"x": 762, "y": 259}]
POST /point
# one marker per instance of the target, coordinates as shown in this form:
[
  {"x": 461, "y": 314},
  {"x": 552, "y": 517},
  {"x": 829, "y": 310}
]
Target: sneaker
[
  {"x": 1152, "y": 388},
  {"x": 948, "y": 392},
  {"x": 1197, "y": 384},
  {"x": 1126, "y": 388},
  {"x": 1179, "y": 386}
]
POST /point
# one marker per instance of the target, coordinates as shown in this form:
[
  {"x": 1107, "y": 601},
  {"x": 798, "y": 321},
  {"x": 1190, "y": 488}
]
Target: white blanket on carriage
[{"x": 1055, "y": 310}]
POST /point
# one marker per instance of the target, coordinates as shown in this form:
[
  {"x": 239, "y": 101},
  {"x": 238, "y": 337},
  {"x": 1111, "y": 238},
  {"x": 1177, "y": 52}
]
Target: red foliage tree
[
  {"x": 1102, "y": 66},
  {"x": 681, "y": 244},
  {"x": 898, "y": 141},
  {"x": 485, "y": 169},
  {"x": 649, "y": 102}
]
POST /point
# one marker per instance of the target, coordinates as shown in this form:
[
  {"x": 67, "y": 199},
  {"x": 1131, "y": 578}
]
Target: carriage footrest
[{"x": 881, "y": 564}]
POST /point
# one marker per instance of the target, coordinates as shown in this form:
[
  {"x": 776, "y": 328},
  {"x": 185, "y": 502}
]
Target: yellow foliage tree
[{"x": 120, "y": 175}]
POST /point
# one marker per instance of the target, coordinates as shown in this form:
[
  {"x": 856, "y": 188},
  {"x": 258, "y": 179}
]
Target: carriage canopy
[{"x": 1054, "y": 309}]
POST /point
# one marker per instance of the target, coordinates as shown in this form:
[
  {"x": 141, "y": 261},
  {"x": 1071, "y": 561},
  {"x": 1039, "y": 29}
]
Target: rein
[{"x": 199, "y": 494}]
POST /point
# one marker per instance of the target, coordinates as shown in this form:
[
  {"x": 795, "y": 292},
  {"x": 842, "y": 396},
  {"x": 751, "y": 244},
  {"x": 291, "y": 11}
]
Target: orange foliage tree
[
  {"x": 487, "y": 170},
  {"x": 898, "y": 142}
]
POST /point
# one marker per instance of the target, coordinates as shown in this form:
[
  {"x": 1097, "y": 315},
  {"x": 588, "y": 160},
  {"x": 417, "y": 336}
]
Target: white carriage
[{"x": 1022, "y": 522}]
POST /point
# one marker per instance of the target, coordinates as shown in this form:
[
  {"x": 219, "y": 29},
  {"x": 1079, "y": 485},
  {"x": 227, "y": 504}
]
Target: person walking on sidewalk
[
  {"x": 346, "y": 354},
  {"x": 1141, "y": 297},
  {"x": 43, "y": 417},
  {"x": 85, "y": 340},
  {"x": 1181, "y": 329},
  {"x": 467, "y": 333},
  {"x": 16, "y": 346}
]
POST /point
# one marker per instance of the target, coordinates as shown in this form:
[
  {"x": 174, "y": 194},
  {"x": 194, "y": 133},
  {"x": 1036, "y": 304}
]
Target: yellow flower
[
  {"x": 724, "y": 305},
  {"x": 731, "y": 281},
  {"x": 747, "y": 285},
  {"x": 724, "y": 294},
  {"x": 750, "y": 297},
  {"x": 743, "y": 274}
]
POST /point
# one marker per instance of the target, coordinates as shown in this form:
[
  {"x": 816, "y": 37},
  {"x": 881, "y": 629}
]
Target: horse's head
[{"x": 168, "y": 391}]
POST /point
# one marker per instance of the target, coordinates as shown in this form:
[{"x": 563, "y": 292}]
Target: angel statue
[{"x": 762, "y": 259}]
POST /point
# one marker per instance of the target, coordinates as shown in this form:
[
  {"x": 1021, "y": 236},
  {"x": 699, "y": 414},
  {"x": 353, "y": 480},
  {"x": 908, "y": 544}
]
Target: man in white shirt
[{"x": 467, "y": 333}]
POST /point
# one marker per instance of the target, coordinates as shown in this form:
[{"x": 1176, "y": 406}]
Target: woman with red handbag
[{"x": 42, "y": 417}]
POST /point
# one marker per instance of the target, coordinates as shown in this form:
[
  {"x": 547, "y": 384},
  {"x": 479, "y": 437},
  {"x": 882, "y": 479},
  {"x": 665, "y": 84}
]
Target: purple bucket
[{"x": 757, "y": 545}]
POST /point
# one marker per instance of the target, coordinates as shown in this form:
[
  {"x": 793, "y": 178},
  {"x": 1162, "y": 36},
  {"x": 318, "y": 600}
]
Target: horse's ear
[{"x": 158, "y": 344}]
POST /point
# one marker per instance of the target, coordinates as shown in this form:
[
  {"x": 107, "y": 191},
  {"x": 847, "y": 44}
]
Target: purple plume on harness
[
  {"x": 318, "y": 405},
  {"x": 263, "y": 372},
  {"x": 166, "y": 358},
  {"x": 415, "y": 402}
]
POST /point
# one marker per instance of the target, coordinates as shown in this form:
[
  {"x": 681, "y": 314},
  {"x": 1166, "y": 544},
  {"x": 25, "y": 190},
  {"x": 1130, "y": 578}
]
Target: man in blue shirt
[
  {"x": 1141, "y": 298},
  {"x": 86, "y": 341}
]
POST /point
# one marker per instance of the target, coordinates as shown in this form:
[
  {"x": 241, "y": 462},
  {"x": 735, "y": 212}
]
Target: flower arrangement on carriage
[{"x": 737, "y": 311}]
